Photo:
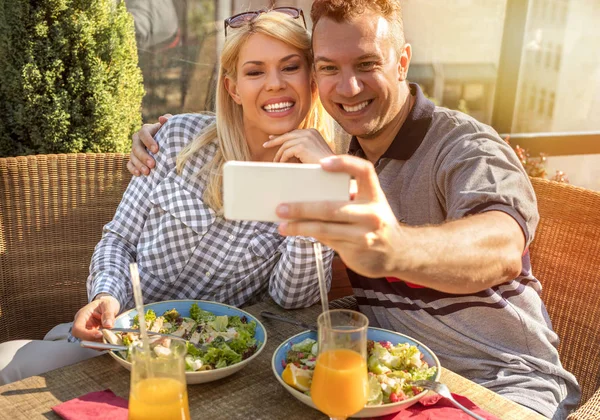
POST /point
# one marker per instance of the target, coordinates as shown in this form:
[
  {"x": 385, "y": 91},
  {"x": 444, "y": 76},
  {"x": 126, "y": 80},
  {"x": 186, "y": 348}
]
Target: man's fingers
[
  {"x": 132, "y": 169},
  {"x": 164, "y": 118},
  {"x": 147, "y": 133},
  {"x": 341, "y": 212},
  {"x": 138, "y": 165},
  {"x": 330, "y": 234},
  {"x": 139, "y": 151},
  {"x": 362, "y": 170}
]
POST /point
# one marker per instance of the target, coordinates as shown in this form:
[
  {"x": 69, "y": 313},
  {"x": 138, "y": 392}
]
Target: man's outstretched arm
[{"x": 462, "y": 256}]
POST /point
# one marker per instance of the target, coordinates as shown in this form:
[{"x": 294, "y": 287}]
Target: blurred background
[{"x": 529, "y": 68}]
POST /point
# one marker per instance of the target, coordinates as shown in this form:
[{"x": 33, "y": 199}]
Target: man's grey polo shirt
[{"x": 443, "y": 165}]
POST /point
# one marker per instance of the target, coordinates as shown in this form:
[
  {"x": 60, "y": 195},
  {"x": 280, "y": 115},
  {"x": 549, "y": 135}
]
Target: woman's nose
[{"x": 275, "y": 81}]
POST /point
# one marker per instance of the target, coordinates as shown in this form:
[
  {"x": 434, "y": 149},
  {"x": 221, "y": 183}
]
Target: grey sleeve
[
  {"x": 155, "y": 20},
  {"x": 480, "y": 172}
]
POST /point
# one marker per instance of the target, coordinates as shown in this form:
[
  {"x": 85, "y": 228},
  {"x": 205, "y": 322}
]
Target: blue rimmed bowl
[
  {"x": 125, "y": 320},
  {"x": 375, "y": 334}
]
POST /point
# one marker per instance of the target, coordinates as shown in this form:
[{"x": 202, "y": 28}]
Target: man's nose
[
  {"x": 275, "y": 81},
  {"x": 349, "y": 85}
]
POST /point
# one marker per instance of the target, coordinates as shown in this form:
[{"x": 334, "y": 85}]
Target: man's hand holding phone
[{"x": 364, "y": 231}]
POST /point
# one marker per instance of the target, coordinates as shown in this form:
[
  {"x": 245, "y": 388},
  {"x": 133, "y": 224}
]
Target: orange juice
[
  {"x": 339, "y": 384},
  {"x": 159, "y": 398}
]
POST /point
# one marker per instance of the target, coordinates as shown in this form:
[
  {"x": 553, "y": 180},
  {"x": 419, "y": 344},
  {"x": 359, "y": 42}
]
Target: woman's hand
[
  {"x": 140, "y": 162},
  {"x": 98, "y": 313},
  {"x": 308, "y": 146}
]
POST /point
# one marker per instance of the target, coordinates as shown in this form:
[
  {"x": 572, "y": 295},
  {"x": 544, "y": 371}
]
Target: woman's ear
[{"x": 231, "y": 87}]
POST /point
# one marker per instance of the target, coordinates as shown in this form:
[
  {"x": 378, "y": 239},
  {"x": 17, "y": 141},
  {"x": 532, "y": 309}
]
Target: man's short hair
[{"x": 346, "y": 10}]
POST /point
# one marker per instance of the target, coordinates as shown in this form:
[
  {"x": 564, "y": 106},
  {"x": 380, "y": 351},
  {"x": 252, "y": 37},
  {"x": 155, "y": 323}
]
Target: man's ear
[
  {"x": 231, "y": 87},
  {"x": 404, "y": 62}
]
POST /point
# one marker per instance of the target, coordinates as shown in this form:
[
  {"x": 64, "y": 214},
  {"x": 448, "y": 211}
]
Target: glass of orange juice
[
  {"x": 339, "y": 384},
  {"x": 158, "y": 389}
]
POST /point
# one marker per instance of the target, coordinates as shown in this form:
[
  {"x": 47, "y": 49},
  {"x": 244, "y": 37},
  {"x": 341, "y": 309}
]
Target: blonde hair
[{"x": 228, "y": 127}]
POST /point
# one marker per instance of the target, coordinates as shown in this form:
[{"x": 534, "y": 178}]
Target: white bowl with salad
[
  {"x": 220, "y": 339},
  {"x": 393, "y": 361}
]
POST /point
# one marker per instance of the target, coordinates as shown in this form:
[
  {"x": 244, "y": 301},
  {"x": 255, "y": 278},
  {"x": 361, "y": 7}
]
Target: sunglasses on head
[{"x": 241, "y": 19}]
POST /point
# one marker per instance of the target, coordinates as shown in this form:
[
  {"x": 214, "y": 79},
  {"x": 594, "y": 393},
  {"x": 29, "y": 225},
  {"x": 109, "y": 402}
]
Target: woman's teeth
[
  {"x": 355, "y": 108},
  {"x": 278, "y": 107}
]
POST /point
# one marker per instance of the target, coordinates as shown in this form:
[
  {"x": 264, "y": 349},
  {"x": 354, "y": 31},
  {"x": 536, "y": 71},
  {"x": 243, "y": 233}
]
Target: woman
[{"x": 171, "y": 222}]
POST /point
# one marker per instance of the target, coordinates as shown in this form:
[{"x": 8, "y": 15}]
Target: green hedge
[{"x": 69, "y": 79}]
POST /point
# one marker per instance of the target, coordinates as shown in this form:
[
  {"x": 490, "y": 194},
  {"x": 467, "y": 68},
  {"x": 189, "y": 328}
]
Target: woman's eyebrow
[
  {"x": 289, "y": 57},
  {"x": 259, "y": 63}
]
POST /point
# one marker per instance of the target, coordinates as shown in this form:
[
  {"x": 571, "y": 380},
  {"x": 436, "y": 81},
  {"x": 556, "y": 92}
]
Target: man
[{"x": 436, "y": 238}]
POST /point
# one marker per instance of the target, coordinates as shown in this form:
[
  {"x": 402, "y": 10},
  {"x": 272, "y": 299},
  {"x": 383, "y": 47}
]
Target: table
[{"x": 252, "y": 393}]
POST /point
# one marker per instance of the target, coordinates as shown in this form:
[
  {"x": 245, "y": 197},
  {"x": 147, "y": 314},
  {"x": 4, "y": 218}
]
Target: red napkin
[
  {"x": 435, "y": 407},
  {"x": 101, "y": 405}
]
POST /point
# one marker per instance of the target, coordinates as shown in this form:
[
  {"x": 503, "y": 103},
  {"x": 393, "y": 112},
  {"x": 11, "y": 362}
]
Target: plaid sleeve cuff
[{"x": 105, "y": 283}]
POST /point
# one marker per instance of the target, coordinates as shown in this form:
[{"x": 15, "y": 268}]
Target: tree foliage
[{"x": 70, "y": 80}]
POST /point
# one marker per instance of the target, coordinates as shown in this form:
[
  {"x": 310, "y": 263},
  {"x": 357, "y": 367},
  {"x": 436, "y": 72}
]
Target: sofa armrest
[{"x": 588, "y": 411}]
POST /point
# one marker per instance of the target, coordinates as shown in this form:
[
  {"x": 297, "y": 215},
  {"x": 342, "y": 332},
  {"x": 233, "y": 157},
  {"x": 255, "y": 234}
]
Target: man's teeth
[
  {"x": 278, "y": 107},
  {"x": 355, "y": 108}
]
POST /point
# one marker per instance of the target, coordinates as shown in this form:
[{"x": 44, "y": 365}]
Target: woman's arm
[
  {"x": 294, "y": 282},
  {"x": 109, "y": 268}
]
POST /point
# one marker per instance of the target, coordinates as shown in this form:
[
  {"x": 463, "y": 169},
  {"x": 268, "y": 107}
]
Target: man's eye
[
  {"x": 367, "y": 65},
  {"x": 327, "y": 68}
]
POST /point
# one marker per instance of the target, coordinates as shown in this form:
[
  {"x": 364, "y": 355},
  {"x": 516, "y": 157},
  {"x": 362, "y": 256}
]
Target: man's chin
[{"x": 356, "y": 130}]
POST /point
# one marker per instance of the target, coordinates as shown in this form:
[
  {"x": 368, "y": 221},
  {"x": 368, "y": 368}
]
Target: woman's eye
[
  {"x": 291, "y": 68},
  {"x": 254, "y": 73}
]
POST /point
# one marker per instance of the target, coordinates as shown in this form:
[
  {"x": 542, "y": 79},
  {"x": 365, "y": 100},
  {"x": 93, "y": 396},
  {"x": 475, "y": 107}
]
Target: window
[
  {"x": 532, "y": 98},
  {"x": 557, "y": 58},
  {"x": 551, "y": 105},
  {"x": 539, "y": 53},
  {"x": 542, "y": 102}
]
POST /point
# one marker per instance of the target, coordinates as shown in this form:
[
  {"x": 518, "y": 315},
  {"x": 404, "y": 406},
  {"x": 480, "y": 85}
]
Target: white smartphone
[{"x": 253, "y": 190}]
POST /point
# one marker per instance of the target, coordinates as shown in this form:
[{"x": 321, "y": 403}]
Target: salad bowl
[
  {"x": 375, "y": 334},
  {"x": 125, "y": 320}
]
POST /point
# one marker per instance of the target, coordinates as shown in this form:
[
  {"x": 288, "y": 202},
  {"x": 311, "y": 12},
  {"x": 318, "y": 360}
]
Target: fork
[{"x": 442, "y": 389}]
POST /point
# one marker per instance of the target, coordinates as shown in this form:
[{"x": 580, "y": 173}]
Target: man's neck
[{"x": 375, "y": 147}]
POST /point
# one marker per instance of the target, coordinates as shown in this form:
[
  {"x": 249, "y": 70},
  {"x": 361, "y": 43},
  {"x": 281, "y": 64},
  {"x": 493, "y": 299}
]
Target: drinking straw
[
  {"x": 139, "y": 306},
  {"x": 322, "y": 286}
]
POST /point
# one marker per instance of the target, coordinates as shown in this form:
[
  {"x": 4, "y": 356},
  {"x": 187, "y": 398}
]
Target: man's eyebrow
[
  {"x": 368, "y": 57},
  {"x": 284, "y": 59},
  {"x": 321, "y": 58},
  {"x": 362, "y": 57}
]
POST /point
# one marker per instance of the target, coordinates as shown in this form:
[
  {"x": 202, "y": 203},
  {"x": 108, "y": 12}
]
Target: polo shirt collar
[{"x": 412, "y": 132}]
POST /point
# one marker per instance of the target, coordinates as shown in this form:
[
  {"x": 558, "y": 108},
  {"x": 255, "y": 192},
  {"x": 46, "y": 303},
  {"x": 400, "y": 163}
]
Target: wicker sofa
[{"x": 53, "y": 207}]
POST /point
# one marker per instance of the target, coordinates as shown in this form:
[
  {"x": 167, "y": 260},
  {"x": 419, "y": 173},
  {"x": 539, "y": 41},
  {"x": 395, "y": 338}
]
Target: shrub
[{"x": 69, "y": 77}]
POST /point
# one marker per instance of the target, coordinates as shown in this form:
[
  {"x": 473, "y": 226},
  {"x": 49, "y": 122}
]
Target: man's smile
[{"x": 355, "y": 108}]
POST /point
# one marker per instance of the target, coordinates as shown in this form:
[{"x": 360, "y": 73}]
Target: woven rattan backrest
[
  {"x": 565, "y": 257},
  {"x": 52, "y": 209}
]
